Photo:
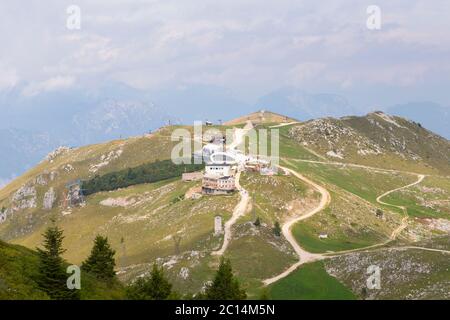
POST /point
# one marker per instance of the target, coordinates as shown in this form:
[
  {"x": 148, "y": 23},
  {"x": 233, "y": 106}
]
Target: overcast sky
[{"x": 247, "y": 46}]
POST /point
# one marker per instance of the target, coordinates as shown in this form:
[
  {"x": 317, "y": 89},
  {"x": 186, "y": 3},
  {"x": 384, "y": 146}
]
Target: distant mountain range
[
  {"x": 304, "y": 106},
  {"x": 37, "y": 124},
  {"x": 356, "y": 159}
]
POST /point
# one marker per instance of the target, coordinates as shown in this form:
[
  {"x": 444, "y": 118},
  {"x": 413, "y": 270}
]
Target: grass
[
  {"x": 429, "y": 199},
  {"x": 19, "y": 270},
  {"x": 310, "y": 241},
  {"x": 310, "y": 282},
  {"x": 361, "y": 182},
  {"x": 348, "y": 221},
  {"x": 289, "y": 148},
  {"x": 405, "y": 274},
  {"x": 146, "y": 227},
  {"x": 256, "y": 254},
  {"x": 274, "y": 197}
]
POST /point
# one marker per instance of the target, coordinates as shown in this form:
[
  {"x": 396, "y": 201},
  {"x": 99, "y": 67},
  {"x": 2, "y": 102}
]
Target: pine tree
[
  {"x": 101, "y": 262},
  {"x": 225, "y": 286},
  {"x": 277, "y": 229},
  {"x": 52, "y": 276},
  {"x": 153, "y": 287},
  {"x": 257, "y": 222}
]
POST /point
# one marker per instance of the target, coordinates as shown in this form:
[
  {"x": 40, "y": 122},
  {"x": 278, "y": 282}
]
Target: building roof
[
  {"x": 216, "y": 176},
  {"x": 218, "y": 165}
]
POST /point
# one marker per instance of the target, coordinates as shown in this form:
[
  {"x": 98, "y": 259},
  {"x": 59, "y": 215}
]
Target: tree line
[
  {"x": 52, "y": 276},
  {"x": 146, "y": 173}
]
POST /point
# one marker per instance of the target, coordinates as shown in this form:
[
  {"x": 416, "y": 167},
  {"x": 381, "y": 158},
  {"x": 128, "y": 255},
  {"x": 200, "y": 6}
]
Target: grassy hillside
[
  {"x": 430, "y": 199},
  {"x": 310, "y": 282},
  {"x": 376, "y": 140},
  {"x": 18, "y": 273},
  {"x": 261, "y": 117},
  {"x": 405, "y": 274},
  {"x": 160, "y": 222}
]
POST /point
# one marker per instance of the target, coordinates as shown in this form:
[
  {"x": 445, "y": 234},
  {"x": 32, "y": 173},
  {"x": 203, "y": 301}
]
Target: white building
[{"x": 221, "y": 170}]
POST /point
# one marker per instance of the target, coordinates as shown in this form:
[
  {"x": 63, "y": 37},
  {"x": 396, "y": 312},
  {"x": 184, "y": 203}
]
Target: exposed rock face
[
  {"x": 53, "y": 175},
  {"x": 184, "y": 273},
  {"x": 41, "y": 180},
  {"x": 68, "y": 168},
  {"x": 75, "y": 196},
  {"x": 49, "y": 199},
  {"x": 3, "y": 215},
  {"x": 105, "y": 159},
  {"x": 56, "y": 153},
  {"x": 24, "y": 198},
  {"x": 405, "y": 274}
]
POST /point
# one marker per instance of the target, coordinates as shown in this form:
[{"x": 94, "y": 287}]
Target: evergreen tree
[
  {"x": 101, "y": 262},
  {"x": 225, "y": 286},
  {"x": 52, "y": 276},
  {"x": 153, "y": 287},
  {"x": 277, "y": 229},
  {"x": 257, "y": 222}
]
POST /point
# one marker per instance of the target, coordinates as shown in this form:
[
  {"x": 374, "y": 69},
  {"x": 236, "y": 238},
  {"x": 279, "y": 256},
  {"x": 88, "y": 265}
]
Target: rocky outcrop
[
  {"x": 105, "y": 159},
  {"x": 53, "y": 175},
  {"x": 49, "y": 199},
  {"x": 3, "y": 214},
  {"x": 24, "y": 198},
  {"x": 41, "y": 179},
  {"x": 56, "y": 153}
]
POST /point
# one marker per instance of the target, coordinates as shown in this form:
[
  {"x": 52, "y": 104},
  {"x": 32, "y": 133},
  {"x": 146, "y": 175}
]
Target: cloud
[
  {"x": 8, "y": 77},
  {"x": 306, "y": 71},
  {"x": 246, "y": 46},
  {"x": 52, "y": 84}
]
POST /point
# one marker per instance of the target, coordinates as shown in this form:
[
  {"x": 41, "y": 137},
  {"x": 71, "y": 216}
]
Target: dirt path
[
  {"x": 284, "y": 124},
  {"x": 304, "y": 256},
  {"x": 238, "y": 212},
  {"x": 241, "y": 207},
  {"x": 422, "y": 248},
  {"x": 239, "y": 135},
  {"x": 395, "y": 233},
  {"x": 354, "y": 165},
  {"x": 405, "y": 220}
]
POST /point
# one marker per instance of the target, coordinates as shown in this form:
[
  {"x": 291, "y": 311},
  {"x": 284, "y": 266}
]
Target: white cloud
[
  {"x": 306, "y": 71},
  {"x": 8, "y": 77},
  {"x": 52, "y": 84},
  {"x": 243, "y": 45}
]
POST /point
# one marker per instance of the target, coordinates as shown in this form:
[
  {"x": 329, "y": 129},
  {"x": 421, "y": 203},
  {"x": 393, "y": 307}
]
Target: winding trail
[
  {"x": 355, "y": 165},
  {"x": 420, "y": 177},
  {"x": 284, "y": 124},
  {"x": 241, "y": 207},
  {"x": 405, "y": 219},
  {"x": 304, "y": 256},
  {"x": 238, "y": 212}
]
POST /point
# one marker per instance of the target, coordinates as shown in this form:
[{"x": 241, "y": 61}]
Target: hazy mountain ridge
[
  {"x": 305, "y": 106},
  {"x": 373, "y": 137},
  {"x": 81, "y": 116},
  {"x": 143, "y": 221}
]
